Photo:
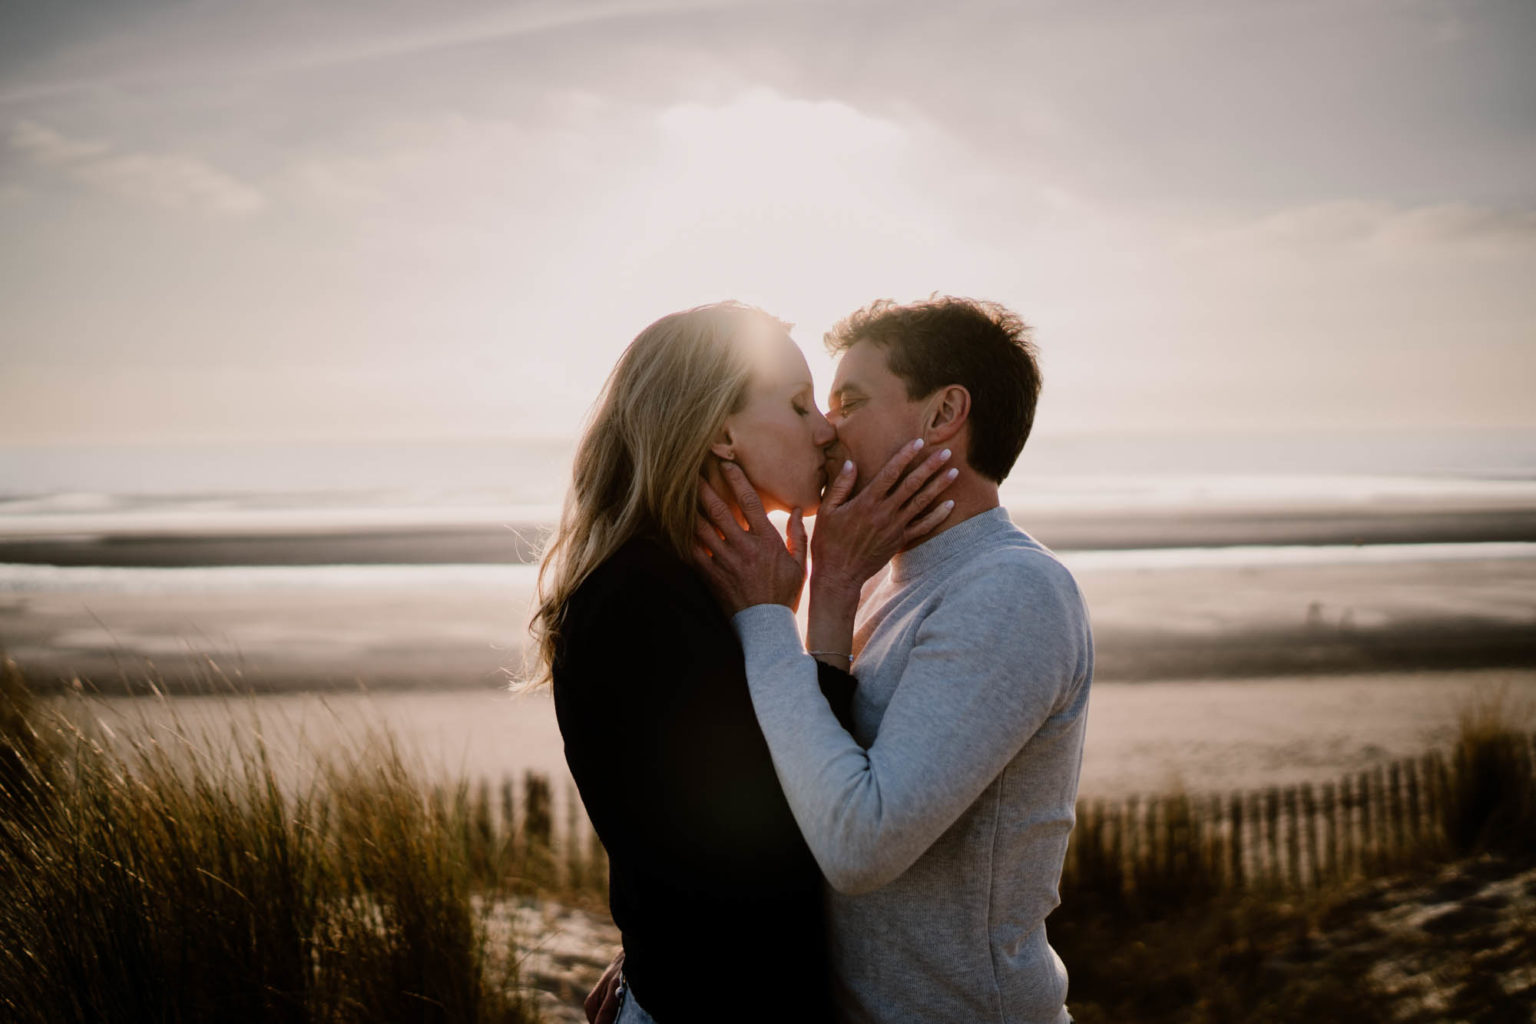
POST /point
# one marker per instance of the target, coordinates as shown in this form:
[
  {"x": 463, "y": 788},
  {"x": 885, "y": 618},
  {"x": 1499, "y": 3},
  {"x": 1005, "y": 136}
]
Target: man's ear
[
  {"x": 724, "y": 445},
  {"x": 949, "y": 409}
]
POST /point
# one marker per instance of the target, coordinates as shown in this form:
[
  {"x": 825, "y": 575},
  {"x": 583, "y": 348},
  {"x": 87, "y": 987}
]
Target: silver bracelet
[{"x": 832, "y": 654}]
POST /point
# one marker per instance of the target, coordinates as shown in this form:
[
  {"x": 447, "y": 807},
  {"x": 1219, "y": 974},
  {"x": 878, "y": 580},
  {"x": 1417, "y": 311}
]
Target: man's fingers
[
  {"x": 882, "y": 482},
  {"x": 705, "y": 539},
  {"x": 710, "y": 567},
  {"x": 746, "y": 497},
  {"x": 926, "y": 524},
  {"x": 706, "y": 536},
  {"x": 717, "y": 510},
  {"x": 602, "y": 1003},
  {"x": 842, "y": 486}
]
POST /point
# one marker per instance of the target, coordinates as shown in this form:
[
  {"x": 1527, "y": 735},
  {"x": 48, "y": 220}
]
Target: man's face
[{"x": 871, "y": 411}]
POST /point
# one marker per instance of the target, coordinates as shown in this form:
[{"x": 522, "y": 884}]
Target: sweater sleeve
[{"x": 993, "y": 659}]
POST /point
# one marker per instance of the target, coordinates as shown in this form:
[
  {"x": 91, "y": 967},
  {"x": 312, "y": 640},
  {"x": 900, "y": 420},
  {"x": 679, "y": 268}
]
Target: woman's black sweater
[{"x": 717, "y": 896}]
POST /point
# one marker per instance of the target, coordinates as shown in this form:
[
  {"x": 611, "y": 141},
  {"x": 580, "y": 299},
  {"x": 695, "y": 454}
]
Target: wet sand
[
  {"x": 434, "y": 627},
  {"x": 489, "y": 538}
]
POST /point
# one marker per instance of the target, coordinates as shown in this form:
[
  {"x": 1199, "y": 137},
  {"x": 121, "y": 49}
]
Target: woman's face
[{"x": 779, "y": 438}]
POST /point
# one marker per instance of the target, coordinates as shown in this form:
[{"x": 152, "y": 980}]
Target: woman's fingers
[
  {"x": 884, "y": 481},
  {"x": 925, "y": 498},
  {"x": 842, "y": 486},
  {"x": 926, "y": 524},
  {"x": 910, "y": 484}
]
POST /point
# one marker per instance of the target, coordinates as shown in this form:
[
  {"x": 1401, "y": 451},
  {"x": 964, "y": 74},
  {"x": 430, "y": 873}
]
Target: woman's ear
[
  {"x": 949, "y": 409},
  {"x": 724, "y": 445}
]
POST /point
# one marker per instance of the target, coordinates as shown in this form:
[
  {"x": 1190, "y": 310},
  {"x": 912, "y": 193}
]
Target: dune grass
[
  {"x": 181, "y": 877},
  {"x": 180, "y": 881},
  {"x": 1491, "y": 800},
  {"x": 1165, "y": 931}
]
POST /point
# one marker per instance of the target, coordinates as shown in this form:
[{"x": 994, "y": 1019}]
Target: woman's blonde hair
[{"x": 638, "y": 463}]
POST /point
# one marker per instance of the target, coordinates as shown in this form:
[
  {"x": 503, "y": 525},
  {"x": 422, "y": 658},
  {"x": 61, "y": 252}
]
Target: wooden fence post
[
  {"x": 1151, "y": 849},
  {"x": 1314, "y": 874},
  {"x": 1117, "y": 853},
  {"x": 1415, "y": 810},
  {"x": 1367, "y": 823},
  {"x": 1349, "y": 861},
  {"x": 1213, "y": 846},
  {"x": 1252, "y": 812},
  {"x": 1331, "y": 821},
  {"x": 1438, "y": 776},
  {"x": 1235, "y": 850},
  {"x": 1133, "y": 833},
  {"x": 1272, "y": 833},
  {"x": 1395, "y": 803},
  {"x": 1292, "y": 837}
]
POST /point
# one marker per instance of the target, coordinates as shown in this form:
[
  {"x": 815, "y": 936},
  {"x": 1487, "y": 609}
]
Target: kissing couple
[{"x": 866, "y": 822}]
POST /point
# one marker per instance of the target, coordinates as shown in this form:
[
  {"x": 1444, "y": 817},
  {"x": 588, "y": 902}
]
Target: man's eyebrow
[{"x": 849, "y": 388}]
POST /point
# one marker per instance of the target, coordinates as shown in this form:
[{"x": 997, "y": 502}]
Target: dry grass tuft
[{"x": 176, "y": 879}]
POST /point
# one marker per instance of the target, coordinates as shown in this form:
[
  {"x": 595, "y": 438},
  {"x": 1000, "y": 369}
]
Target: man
[{"x": 941, "y": 818}]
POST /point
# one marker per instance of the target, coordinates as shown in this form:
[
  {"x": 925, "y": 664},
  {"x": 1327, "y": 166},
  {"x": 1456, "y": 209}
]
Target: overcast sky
[{"x": 284, "y": 220}]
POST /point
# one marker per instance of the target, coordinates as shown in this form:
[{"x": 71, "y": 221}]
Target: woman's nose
[{"x": 824, "y": 433}]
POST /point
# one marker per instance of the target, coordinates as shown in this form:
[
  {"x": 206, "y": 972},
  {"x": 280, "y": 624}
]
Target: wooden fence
[
  {"x": 1295, "y": 837},
  {"x": 1144, "y": 850}
]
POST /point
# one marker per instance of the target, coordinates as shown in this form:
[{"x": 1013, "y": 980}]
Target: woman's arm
[{"x": 659, "y": 730}]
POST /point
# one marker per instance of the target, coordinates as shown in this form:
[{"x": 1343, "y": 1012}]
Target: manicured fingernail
[
  {"x": 917, "y": 445},
  {"x": 848, "y": 466},
  {"x": 949, "y": 505},
  {"x": 951, "y": 474},
  {"x": 944, "y": 455}
]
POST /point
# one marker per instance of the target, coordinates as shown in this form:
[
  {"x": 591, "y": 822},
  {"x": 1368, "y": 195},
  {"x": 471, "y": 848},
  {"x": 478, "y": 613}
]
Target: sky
[{"x": 226, "y": 221}]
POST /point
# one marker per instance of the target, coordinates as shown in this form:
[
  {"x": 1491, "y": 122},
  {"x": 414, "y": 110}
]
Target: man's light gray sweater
[{"x": 942, "y": 822}]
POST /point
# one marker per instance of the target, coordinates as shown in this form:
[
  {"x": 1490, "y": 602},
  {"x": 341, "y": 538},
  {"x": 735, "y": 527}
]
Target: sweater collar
[{"x": 952, "y": 543}]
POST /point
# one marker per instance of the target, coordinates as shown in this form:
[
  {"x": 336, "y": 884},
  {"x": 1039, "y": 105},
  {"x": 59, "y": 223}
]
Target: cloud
[
  {"x": 1350, "y": 226},
  {"x": 47, "y": 147},
  {"x": 172, "y": 181}
]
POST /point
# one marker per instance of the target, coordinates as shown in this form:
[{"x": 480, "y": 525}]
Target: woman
[{"x": 715, "y": 892}]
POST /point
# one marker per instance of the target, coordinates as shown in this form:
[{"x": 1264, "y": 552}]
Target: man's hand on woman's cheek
[{"x": 752, "y": 565}]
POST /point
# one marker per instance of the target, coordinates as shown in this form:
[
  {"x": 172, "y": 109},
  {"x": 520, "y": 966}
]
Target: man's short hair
[{"x": 981, "y": 346}]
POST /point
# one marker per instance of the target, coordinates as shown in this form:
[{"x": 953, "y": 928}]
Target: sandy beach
[
  {"x": 1276, "y": 648},
  {"x": 1200, "y": 736}
]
